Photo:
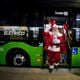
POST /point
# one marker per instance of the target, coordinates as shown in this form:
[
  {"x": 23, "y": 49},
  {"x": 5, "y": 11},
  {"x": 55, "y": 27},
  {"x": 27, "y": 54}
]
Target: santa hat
[{"x": 53, "y": 21}]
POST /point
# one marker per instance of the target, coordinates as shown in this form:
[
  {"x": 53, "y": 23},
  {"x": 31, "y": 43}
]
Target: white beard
[{"x": 57, "y": 34}]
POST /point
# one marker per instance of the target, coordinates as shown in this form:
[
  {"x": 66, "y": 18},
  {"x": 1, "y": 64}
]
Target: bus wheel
[{"x": 18, "y": 58}]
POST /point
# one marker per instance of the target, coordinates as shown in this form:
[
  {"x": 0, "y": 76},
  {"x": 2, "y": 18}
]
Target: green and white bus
[
  {"x": 21, "y": 46},
  {"x": 24, "y": 45}
]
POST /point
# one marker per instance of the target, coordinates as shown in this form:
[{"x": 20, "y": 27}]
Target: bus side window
[
  {"x": 30, "y": 35},
  {"x": 73, "y": 35},
  {"x": 40, "y": 35}
]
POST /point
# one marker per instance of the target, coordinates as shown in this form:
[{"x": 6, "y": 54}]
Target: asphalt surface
[{"x": 11, "y": 73}]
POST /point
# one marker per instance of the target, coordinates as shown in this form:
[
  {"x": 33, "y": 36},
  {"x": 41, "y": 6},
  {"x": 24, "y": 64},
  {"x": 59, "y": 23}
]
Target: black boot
[
  {"x": 50, "y": 70},
  {"x": 56, "y": 67}
]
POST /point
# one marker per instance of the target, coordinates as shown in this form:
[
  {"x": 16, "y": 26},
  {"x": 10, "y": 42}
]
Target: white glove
[
  {"x": 47, "y": 28},
  {"x": 49, "y": 48}
]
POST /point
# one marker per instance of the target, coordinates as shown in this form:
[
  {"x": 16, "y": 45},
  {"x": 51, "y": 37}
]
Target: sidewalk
[{"x": 7, "y": 73}]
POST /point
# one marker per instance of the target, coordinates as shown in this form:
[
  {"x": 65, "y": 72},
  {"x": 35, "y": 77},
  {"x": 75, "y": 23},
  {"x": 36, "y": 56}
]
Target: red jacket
[{"x": 48, "y": 38}]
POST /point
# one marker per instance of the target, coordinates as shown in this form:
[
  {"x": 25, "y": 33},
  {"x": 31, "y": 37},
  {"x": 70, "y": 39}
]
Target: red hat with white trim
[{"x": 53, "y": 21}]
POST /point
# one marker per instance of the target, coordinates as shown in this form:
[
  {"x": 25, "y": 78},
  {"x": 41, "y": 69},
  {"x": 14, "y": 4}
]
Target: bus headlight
[{"x": 38, "y": 60}]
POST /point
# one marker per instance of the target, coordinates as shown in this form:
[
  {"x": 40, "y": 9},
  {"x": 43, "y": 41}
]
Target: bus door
[
  {"x": 76, "y": 42},
  {"x": 61, "y": 21}
]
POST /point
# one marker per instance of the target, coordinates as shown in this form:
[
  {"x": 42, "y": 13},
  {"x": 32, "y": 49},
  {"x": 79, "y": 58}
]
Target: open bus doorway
[{"x": 64, "y": 28}]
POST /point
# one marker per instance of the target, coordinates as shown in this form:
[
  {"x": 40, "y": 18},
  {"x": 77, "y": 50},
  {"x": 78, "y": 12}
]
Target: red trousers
[{"x": 53, "y": 57}]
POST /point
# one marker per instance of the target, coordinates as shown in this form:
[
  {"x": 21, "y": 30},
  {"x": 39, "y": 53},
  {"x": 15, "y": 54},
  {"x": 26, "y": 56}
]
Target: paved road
[{"x": 11, "y": 73}]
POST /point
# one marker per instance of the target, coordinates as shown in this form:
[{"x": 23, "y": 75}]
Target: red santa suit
[
  {"x": 63, "y": 45},
  {"x": 47, "y": 33},
  {"x": 52, "y": 44},
  {"x": 65, "y": 28},
  {"x": 54, "y": 48}
]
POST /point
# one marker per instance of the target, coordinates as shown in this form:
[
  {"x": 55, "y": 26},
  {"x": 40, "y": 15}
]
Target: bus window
[
  {"x": 35, "y": 35},
  {"x": 78, "y": 20},
  {"x": 76, "y": 33},
  {"x": 76, "y": 29},
  {"x": 13, "y": 33}
]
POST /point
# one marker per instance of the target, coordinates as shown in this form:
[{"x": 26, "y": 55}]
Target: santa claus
[
  {"x": 63, "y": 45},
  {"x": 47, "y": 36},
  {"x": 53, "y": 46},
  {"x": 47, "y": 33}
]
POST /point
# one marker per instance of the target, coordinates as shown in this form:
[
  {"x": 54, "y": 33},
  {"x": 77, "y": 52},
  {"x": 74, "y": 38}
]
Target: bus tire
[{"x": 18, "y": 58}]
